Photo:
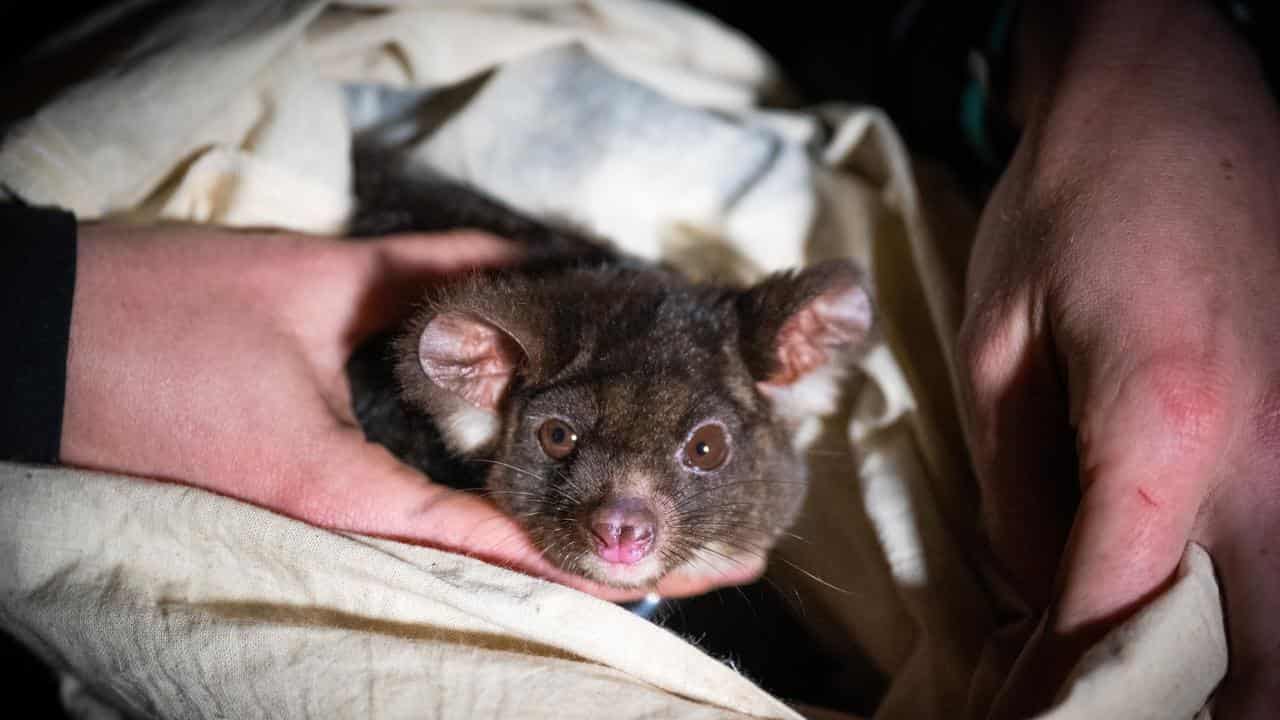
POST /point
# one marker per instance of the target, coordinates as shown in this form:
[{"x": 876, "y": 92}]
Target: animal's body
[{"x": 631, "y": 420}]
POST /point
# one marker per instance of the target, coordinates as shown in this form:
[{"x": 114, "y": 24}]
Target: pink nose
[{"x": 624, "y": 530}]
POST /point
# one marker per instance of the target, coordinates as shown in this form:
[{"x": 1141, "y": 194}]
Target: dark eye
[
  {"x": 557, "y": 438},
  {"x": 708, "y": 448}
]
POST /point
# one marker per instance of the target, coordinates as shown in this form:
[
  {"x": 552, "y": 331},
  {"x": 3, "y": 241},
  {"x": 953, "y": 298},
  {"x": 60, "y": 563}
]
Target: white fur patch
[
  {"x": 805, "y": 401},
  {"x": 469, "y": 428},
  {"x": 814, "y": 393}
]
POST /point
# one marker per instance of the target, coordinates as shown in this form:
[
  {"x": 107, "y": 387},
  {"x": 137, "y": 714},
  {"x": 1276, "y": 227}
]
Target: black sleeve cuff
[{"x": 37, "y": 281}]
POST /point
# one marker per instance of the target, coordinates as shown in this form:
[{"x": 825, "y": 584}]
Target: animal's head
[{"x": 637, "y": 423}]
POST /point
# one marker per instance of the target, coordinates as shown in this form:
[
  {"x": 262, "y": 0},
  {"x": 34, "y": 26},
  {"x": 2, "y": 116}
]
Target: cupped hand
[
  {"x": 1122, "y": 347},
  {"x": 216, "y": 358}
]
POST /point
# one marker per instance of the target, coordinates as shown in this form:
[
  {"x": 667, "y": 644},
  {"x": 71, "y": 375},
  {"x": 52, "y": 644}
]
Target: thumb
[
  {"x": 397, "y": 268},
  {"x": 1147, "y": 452},
  {"x": 434, "y": 254}
]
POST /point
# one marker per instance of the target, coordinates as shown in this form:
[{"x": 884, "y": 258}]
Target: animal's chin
[
  {"x": 645, "y": 572},
  {"x": 723, "y": 568}
]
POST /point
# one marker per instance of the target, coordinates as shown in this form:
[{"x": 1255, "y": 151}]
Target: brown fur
[{"x": 634, "y": 358}]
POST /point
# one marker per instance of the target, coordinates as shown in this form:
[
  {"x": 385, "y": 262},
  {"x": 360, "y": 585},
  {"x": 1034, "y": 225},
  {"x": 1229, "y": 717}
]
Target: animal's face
[
  {"x": 621, "y": 479},
  {"x": 633, "y": 432}
]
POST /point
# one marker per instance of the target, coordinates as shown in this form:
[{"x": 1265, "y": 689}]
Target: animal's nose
[{"x": 624, "y": 530}]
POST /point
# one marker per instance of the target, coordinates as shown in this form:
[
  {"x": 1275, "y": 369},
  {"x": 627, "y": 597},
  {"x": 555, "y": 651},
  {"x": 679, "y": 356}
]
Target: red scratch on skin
[{"x": 1147, "y": 498}]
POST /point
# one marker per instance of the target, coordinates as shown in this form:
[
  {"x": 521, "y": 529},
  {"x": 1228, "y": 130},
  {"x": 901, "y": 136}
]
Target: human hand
[
  {"x": 1122, "y": 343},
  {"x": 216, "y": 359}
]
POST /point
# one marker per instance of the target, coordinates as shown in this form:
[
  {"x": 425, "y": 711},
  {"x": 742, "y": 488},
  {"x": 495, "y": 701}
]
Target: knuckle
[
  {"x": 1169, "y": 422},
  {"x": 1188, "y": 403}
]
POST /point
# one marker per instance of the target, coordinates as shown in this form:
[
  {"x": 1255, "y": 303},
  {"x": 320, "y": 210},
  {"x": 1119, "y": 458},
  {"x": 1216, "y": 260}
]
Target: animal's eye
[
  {"x": 557, "y": 439},
  {"x": 708, "y": 448}
]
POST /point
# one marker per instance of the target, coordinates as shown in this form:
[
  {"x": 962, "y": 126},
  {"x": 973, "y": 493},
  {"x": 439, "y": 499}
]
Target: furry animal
[{"x": 632, "y": 421}]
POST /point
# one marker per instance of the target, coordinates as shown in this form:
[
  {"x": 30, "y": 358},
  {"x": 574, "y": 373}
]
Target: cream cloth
[{"x": 638, "y": 119}]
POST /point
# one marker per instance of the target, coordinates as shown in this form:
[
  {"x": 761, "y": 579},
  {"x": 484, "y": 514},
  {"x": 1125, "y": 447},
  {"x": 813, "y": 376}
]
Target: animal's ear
[
  {"x": 799, "y": 330},
  {"x": 458, "y": 367},
  {"x": 470, "y": 357}
]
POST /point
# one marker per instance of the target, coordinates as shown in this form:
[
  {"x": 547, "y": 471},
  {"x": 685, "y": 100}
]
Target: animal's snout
[{"x": 624, "y": 530}]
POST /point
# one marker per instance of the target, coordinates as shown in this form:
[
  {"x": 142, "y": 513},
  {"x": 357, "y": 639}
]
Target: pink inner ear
[
  {"x": 469, "y": 357},
  {"x": 834, "y": 320}
]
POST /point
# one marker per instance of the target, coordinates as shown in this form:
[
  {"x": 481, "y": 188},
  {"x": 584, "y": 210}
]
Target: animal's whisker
[
  {"x": 685, "y": 500},
  {"x": 749, "y": 550},
  {"x": 815, "y": 578},
  {"x": 522, "y": 471}
]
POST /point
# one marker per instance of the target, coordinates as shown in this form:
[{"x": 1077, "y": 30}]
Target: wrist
[
  {"x": 1137, "y": 86},
  {"x": 1070, "y": 49}
]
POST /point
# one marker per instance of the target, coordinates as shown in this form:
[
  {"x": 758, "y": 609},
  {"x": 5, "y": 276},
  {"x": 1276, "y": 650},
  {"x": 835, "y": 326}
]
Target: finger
[
  {"x": 1020, "y": 442},
  {"x": 1149, "y": 443},
  {"x": 391, "y": 279},
  {"x": 683, "y": 583},
  {"x": 443, "y": 253},
  {"x": 401, "y": 267},
  {"x": 1150, "y": 451},
  {"x": 395, "y": 272}
]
